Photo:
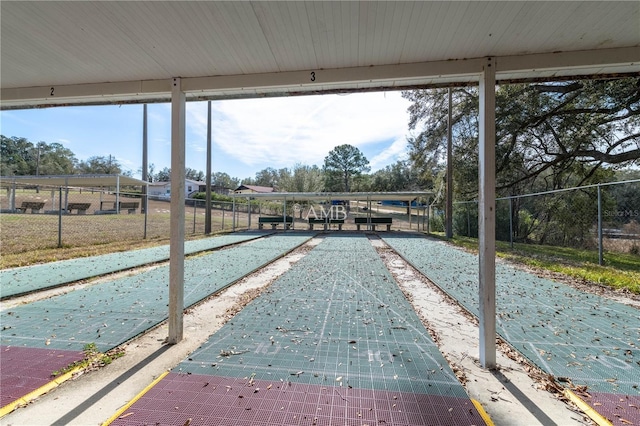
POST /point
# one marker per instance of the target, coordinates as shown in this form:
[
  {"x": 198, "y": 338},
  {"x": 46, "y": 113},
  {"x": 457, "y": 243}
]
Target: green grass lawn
[{"x": 620, "y": 270}]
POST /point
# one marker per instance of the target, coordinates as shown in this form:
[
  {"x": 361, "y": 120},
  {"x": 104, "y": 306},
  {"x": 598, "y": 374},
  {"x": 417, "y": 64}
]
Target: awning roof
[
  {"x": 81, "y": 181},
  {"x": 68, "y": 52},
  {"x": 320, "y": 196}
]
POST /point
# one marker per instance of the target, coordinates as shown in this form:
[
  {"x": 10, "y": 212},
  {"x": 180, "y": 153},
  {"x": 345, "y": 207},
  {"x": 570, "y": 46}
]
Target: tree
[
  {"x": 548, "y": 136},
  {"x": 303, "y": 179},
  {"x": 223, "y": 180},
  {"x": 267, "y": 177},
  {"x": 342, "y": 164},
  {"x": 395, "y": 177},
  {"x": 545, "y": 133},
  {"x": 100, "y": 165},
  {"x": 55, "y": 159},
  {"x": 150, "y": 169},
  {"x": 193, "y": 174},
  {"x": 163, "y": 175},
  {"x": 18, "y": 156}
]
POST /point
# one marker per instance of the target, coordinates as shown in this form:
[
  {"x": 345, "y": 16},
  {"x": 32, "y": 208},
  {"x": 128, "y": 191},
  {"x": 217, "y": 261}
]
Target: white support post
[
  {"x": 207, "y": 214},
  {"x": 176, "y": 248},
  {"x": 145, "y": 164},
  {"x": 486, "y": 215}
]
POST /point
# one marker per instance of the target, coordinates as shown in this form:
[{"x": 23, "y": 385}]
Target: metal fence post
[
  {"x": 600, "y": 254},
  {"x": 13, "y": 198},
  {"x": 511, "y": 222},
  {"x": 195, "y": 209},
  {"x": 146, "y": 211},
  {"x": 60, "y": 218},
  {"x": 249, "y": 212}
]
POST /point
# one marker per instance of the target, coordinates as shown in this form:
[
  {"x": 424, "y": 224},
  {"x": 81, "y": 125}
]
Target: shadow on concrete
[
  {"x": 93, "y": 399},
  {"x": 524, "y": 400}
]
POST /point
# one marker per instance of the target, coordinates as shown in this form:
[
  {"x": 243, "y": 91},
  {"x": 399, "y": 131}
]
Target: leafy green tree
[
  {"x": 193, "y": 174},
  {"x": 543, "y": 131},
  {"x": 626, "y": 198},
  {"x": 163, "y": 175},
  {"x": 548, "y": 136},
  {"x": 55, "y": 159},
  {"x": 150, "y": 172},
  {"x": 303, "y": 178},
  {"x": 268, "y": 177},
  {"x": 16, "y": 156},
  {"x": 222, "y": 179},
  {"x": 395, "y": 177},
  {"x": 343, "y": 163},
  {"x": 100, "y": 165}
]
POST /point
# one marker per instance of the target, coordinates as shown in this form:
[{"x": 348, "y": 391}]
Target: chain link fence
[
  {"x": 603, "y": 217},
  {"x": 44, "y": 217},
  {"x": 41, "y": 217}
]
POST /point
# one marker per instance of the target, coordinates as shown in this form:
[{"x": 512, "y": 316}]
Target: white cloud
[
  {"x": 395, "y": 152},
  {"x": 280, "y": 132}
]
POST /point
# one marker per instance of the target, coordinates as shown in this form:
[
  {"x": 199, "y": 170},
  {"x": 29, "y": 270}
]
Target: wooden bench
[
  {"x": 275, "y": 221},
  {"x": 373, "y": 221},
  {"x": 326, "y": 222},
  {"x": 81, "y": 208},
  {"x": 130, "y": 206},
  {"x": 35, "y": 206}
]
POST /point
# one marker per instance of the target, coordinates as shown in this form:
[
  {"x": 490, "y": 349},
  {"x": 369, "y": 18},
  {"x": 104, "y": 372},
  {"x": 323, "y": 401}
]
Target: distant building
[
  {"x": 191, "y": 187},
  {"x": 253, "y": 189}
]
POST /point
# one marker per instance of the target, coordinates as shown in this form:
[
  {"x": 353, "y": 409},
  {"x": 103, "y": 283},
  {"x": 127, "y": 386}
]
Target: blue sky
[{"x": 248, "y": 135}]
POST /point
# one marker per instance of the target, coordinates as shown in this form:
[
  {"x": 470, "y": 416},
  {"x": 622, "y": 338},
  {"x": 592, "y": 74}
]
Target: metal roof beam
[{"x": 313, "y": 81}]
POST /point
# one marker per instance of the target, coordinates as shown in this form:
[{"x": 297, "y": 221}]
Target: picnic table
[
  {"x": 326, "y": 222},
  {"x": 81, "y": 208},
  {"x": 275, "y": 221},
  {"x": 35, "y": 206},
  {"x": 130, "y": 206},
  {"x": 373, "y": 221}
]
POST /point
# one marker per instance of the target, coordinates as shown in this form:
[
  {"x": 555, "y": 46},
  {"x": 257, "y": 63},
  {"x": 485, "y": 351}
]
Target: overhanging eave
[{"x": 605, "y": 62}]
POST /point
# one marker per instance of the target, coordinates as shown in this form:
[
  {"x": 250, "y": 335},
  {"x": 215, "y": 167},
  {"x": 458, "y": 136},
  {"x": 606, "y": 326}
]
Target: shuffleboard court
[
  {"x": 111, "y": 313},
  {"x": 577, "y": 337},
  {"x": 27, "y": 279},
  {"x": 332, "y": 342}
]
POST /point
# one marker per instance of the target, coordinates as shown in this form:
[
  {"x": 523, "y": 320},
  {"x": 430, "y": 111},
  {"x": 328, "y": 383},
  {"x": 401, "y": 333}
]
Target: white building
[{"x": 163, "y": 189}]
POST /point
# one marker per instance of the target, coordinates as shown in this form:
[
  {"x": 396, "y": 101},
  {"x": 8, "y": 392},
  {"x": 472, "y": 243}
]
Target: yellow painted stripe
[
  {"x": 38, "y": 392},
  {"x": 587, "y": 409},
  {"x": 483, "y": 414},
  {"x": 121, "y": 411}
]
